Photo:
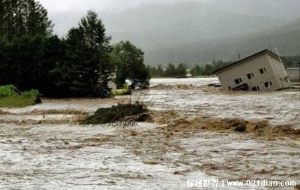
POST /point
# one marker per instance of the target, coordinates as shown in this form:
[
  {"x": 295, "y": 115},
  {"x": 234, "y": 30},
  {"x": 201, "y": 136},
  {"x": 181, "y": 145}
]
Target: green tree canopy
[
  {"x": 23, "y": 17},
  {"x": 27, "y": 62},
  {"x": 130, "y": 64},
  {"x": 6, "y": 65},
  {"x": 87, "y": 51}
]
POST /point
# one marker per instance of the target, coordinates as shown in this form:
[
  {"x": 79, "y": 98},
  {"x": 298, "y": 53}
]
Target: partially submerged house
[{"x": 261, "y": 71}]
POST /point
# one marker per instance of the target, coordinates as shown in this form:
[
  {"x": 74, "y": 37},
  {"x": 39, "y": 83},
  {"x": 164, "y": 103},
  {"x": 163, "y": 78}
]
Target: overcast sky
[
  {"x": 177, "y": 24},
  {"x": 67, "y": 13},
  {"x": 99, "y": 5}
]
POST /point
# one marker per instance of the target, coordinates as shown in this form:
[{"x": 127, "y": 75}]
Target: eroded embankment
[{"x": 179, "y": 122}]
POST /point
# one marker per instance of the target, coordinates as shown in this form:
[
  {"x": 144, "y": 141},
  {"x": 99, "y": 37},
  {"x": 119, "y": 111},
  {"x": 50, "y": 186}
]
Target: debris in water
[
  {"x": 126, "y": 113},
  {"x": 240, "y": 128}
]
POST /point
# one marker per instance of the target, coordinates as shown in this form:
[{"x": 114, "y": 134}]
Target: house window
[
  {"x": 262, "y": 70},
  {"x": 250, "y": 75},
  {"x": 238, "y": 80},
  {"x": 256, "y": 88},
  {"x": 268, "y": 84}
]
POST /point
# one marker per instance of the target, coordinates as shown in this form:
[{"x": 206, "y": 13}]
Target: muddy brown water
[{"x": 191, "y": 136}]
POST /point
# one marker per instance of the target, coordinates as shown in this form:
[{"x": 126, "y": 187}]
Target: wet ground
[{"x": 192, "y": 136}]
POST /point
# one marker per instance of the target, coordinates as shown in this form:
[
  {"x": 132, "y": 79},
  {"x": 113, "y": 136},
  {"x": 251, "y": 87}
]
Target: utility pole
[{"x": 278, "y": 54}]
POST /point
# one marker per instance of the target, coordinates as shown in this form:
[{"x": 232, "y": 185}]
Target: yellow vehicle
[{"x": 122, "y": 91}]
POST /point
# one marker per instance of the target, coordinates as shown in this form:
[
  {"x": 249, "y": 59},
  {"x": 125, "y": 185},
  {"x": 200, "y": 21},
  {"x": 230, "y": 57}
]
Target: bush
[
  {"x": 10, "y": 96},
  {"x": 7, "y": 90},
  {"x": 30, "y": 94}
]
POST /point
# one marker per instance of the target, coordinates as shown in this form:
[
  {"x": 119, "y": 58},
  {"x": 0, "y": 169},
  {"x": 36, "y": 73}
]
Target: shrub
[
  {"x": 30, "y": 94},
  {"x": 7, "y": 90},
  {"x": 10, "y": 96}
]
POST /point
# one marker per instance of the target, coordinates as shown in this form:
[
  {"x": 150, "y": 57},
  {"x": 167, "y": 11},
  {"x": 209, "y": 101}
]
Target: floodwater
[{"x": 184, "y": 145}]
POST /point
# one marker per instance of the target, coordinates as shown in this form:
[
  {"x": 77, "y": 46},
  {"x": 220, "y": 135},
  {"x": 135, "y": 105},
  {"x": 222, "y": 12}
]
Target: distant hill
[
  {"x": 190, "y": 31},
  {"x": 285, "y": 38}
]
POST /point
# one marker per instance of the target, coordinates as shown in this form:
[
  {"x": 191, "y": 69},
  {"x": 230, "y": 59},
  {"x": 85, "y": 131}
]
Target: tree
[
  {"x": 36, "y": 19},
  {"x": 181, "y": 70},
  {"x": 87, "y": 51},
  {"x": 170, "y": 70},
  {"x": 197, "y": 70},
  {"x": 6, "y": 69},
  {"x": 160, "y": 70},
  {"x": 130, "y": 64},
  {"x": 23, "y": 17},
  {"x": 31, "y": 60},
  {"x": 52, "y": 55}
]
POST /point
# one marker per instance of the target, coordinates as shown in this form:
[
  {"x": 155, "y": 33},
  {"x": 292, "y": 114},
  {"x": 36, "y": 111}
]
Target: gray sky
[
  {"x": 67, "y": 13},
  {"x": 180, "y": 30},
  {"x": 99, "y": 5}
]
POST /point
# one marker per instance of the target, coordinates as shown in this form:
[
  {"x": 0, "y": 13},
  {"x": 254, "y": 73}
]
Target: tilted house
[{"x": 261, "y": 71}]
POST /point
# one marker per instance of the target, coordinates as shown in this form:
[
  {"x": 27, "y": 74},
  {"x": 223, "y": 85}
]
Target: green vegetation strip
[{"x": 11, "y": 97}]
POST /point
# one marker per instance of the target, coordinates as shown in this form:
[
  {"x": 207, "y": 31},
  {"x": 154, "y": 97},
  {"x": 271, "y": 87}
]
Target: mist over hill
[{"x": 191, "y": 31}]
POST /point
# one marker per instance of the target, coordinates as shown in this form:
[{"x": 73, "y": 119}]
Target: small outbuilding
[
  {"x": 261, "y": 71},
  {"x": 293, "y": 73}
]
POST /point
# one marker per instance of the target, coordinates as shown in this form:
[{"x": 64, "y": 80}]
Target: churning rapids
[{"x": 192, "y": 136}]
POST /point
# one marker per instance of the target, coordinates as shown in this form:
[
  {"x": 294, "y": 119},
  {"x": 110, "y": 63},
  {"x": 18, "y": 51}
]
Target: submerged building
[{"x": 261, "y": 71}]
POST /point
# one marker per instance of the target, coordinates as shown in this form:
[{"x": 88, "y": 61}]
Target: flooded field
[{"x": 197, "y": 134}]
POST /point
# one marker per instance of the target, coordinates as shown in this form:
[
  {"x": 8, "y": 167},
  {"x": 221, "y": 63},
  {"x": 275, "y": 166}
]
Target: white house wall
[
  {"x": 280, "y": 72},
  {"x": 293, "y": 73},
  {"x": 253, "y": 65}
]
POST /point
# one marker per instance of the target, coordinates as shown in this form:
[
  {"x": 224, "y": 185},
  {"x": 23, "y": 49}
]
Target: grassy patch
[
  {"x": 11, "y": 97},
  {"x": 16, "y": 101}
]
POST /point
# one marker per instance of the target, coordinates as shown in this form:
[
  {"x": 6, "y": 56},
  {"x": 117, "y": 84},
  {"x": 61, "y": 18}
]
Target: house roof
[{"x": 266, "y": 51}]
